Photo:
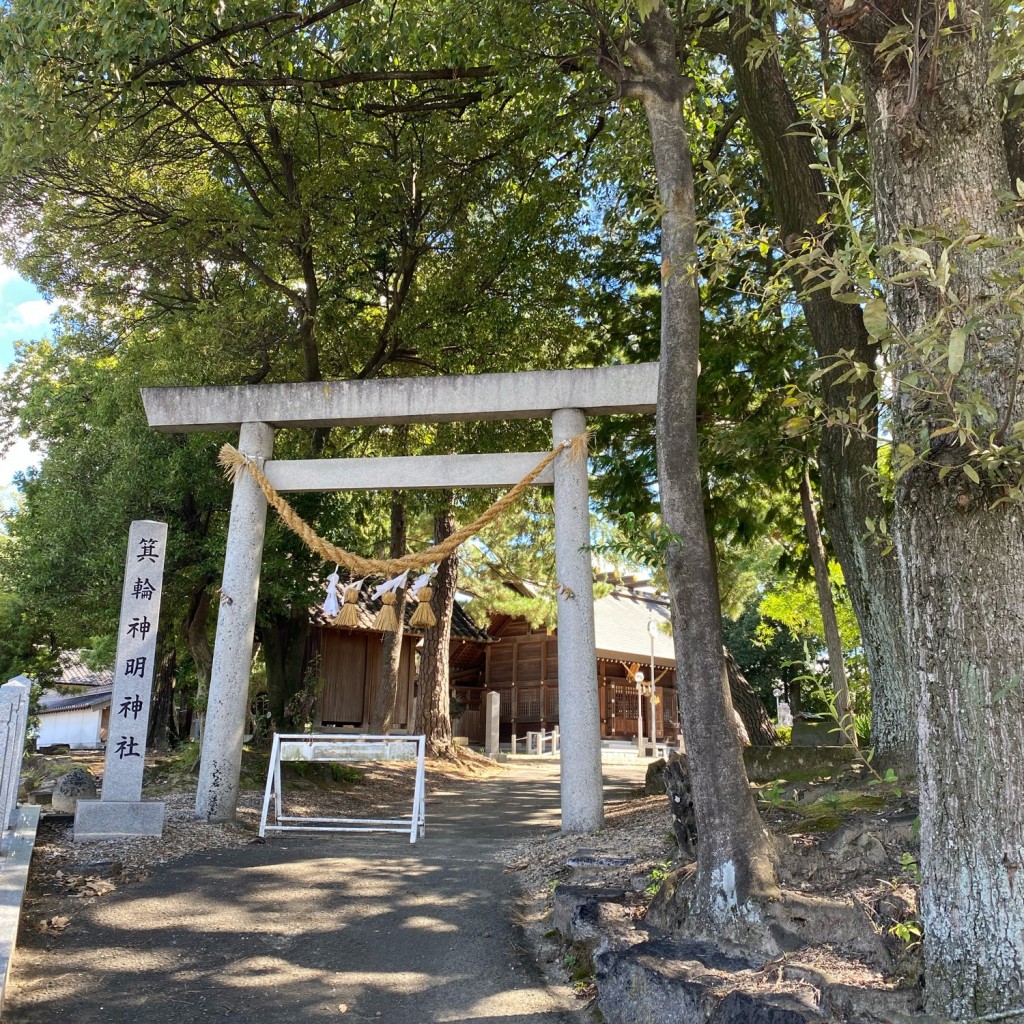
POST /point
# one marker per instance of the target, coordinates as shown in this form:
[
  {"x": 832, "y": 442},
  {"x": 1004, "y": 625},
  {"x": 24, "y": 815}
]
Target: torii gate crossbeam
[{"x": 564, "y": 396}]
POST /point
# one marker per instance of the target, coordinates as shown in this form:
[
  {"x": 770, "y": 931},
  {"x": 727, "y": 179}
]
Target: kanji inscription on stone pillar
[{"x": 120, "y": 809}]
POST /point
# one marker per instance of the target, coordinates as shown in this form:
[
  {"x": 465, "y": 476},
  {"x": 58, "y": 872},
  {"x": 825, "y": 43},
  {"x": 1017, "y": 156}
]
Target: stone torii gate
[{"x": 567, "y": 397}]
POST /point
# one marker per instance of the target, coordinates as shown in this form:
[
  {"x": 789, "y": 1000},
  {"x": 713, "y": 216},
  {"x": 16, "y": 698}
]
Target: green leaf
[
  {"x": 876, "y": 320},
  {"x": 647, "y": 7},
  {"x": 957, "y": 349},
  {"x": 971, "y": 473},
  {"x": 915, "y": 254}
]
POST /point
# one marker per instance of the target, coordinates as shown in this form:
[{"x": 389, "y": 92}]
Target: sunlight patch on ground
[
  {"x": 494, "y": 1007},
  {"x": 429, "y": 924}
]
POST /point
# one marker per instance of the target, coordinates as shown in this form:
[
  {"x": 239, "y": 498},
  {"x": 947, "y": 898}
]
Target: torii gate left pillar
[
  {"x": 224, "y": 729},
  {"x": 564, "y": 396}
]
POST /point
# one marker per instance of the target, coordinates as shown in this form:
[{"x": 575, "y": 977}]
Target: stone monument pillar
[
  {"x": 579, "y": 712},
  {"x": 121, "y": 811}
]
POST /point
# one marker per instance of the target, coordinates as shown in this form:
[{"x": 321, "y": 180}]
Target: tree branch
[
  {"x": 245, "y": 26},
  {"x": 329, "y": 82}
]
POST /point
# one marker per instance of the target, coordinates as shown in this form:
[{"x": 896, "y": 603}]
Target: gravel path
[{"x": 313, "y": 928}]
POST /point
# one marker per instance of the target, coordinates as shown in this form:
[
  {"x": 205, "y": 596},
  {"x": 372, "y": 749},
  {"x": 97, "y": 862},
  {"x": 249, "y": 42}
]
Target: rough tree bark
[
  {"x": 753, "y": 714},
  {"x": 162, "y": 732},
  {"x": 433, "y": 710},
  {"x": 735, "y": 856},
  {"x": 382, "y": 717},
  {"x": 833, "y": 643},
  {"x": 847, "y": 459},
  {"x": 195, "y": 628},
  {"x": 284, "y": 650},
  {"x": 939, "y": 165}
]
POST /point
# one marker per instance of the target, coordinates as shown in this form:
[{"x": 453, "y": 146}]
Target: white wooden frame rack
[{"x": 342, "y": 747}]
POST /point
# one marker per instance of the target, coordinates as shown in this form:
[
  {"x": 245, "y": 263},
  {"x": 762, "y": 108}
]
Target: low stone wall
[{"x": 793, "y": 763}]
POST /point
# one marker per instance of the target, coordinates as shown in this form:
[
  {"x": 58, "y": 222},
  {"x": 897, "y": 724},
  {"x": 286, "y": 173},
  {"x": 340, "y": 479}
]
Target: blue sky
[{"x": 24, "y": 315}]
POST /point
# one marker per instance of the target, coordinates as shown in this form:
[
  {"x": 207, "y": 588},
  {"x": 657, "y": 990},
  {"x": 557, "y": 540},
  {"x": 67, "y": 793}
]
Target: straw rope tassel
[
  {"x": 232, "y": 461},
  {"x": 423, "y": 616},
  {"x": 349, "y": 614},
  {"x": 387, "y": 617}
]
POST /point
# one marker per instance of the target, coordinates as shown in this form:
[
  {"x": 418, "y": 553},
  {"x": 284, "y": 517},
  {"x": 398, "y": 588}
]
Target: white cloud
[
  {"x": 35, "y": 312},
  {"x": 28, "y": 318},
  {"x": 17, "y": 459},
  {"x": 7, "y": 274}
]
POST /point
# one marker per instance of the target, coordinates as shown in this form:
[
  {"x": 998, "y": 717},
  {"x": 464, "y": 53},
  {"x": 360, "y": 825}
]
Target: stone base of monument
[{"x": 108, "y": 819}]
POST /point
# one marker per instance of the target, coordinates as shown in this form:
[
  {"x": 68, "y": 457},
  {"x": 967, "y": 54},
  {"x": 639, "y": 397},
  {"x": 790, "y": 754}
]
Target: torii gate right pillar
[{"x": 579, "y": 713}]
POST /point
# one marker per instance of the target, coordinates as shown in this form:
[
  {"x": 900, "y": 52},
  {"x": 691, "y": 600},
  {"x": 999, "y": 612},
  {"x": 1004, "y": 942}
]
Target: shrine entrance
[{"x": 566, "y": 397}]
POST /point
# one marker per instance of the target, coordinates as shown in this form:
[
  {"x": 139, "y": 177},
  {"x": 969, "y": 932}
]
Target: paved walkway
[{"x": 291, "y": 931}]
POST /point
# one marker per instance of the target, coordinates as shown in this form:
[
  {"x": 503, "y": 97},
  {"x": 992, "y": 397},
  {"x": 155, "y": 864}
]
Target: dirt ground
[
  {"x": 848, "y": 853},
  {"x": 843, "y": 841},
  {"x": 300, "y": 927},
  {"x": 66, "y": 876}
]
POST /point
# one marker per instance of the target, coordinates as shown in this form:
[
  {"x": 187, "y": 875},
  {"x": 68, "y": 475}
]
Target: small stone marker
[
  {"x": 492, "y": 723},
  {"x": 121, "y": 810}
]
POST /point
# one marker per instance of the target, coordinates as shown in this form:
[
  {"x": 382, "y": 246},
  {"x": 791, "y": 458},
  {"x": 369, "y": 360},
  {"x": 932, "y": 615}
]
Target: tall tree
[
  {"x": 222, "y": 223},
  {"x": 433, "y": 710},
  {"x": 833, "y": 642},
  {"x": 382, "y": 716},
  {"x": 735, "y": 858},
  {"x": 950, "y": 262},
  {"x": 849, "y": 460}
]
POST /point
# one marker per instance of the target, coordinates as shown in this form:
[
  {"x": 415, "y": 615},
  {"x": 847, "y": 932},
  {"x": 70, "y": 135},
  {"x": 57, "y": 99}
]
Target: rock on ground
[
  {"x": 688, "y": 982},
  {"x": 77, "y": 784}
]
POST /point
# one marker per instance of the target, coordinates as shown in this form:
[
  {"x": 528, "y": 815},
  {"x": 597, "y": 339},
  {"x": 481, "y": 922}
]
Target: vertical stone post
[
  {"x": 13, "y": 720},
  {"x": 121, "y": 811},
  {"x": 217, "y": 792},
  {"x": 579, "y": 713},
  {"x": 492, "y": 723}
]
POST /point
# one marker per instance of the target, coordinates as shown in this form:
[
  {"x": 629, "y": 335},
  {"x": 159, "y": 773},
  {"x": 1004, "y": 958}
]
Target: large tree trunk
[
  {"x": 284, "y": 650},
  {"x": 735, "y": 865},
  {"x": 198, "y": 640},
  {"x": 162, "y": 732},
  {"x": 753, "y": 714},
  {"x": 939, "y": 167},
  {"x": 833, "y": 643},
  {"x": 433, "y": 711},
  {"x": 848, "y": 460},
  {"x": 382, "y": 717}
]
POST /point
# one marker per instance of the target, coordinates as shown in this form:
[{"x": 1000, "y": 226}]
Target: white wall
[{"x": 79, "y": 728}]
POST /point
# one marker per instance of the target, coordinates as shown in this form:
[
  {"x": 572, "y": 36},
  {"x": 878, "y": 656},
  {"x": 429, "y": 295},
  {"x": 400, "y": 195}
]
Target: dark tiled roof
[
  {"x": 463, "y": 627},
  {"x": 94, "y": 698},
  {"x": 75, "y": 673}
]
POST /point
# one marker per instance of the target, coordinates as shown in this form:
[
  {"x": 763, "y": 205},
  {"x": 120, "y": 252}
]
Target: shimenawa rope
[{"x": 233, "y": 461}]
